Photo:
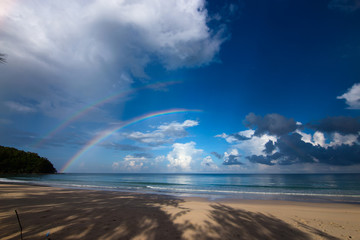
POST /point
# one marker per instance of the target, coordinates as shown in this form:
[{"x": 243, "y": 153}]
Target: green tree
[{"x": 16, "y": 161}]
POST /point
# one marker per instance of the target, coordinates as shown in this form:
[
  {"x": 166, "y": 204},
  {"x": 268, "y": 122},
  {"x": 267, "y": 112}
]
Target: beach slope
[{"x": 87, "y": 214}]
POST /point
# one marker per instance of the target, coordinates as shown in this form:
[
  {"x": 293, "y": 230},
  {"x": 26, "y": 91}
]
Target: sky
[{"x": 183, "y": 86}]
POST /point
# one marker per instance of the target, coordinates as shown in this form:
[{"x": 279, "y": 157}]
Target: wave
[
  {"x": 7, "y": 180},
  {"x": 251, "y": 192},
  {"x": 329, "y": 187},
  {"x": 70, "y": 185},
  {"x": 187, "y": 189}
]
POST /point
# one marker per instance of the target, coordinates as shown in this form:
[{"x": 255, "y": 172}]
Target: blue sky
[{"x": 262, "y": 86}]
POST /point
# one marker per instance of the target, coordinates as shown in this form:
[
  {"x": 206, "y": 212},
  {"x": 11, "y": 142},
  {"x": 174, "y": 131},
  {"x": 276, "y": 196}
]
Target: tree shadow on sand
[
  {"x": 318, "y": 232},
  {"x": 230, "y": 223},
  {"x": 70, "y": 214}
]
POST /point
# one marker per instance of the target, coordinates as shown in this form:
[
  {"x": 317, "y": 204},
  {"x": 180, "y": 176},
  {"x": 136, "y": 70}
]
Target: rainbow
[
  {"x": 94, "y": 105},
  {"x": 111, "y": 131}
]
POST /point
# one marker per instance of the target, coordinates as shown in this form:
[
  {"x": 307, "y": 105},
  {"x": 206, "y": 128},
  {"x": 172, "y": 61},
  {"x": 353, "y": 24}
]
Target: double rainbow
[
  {"x": 94, "y": 105},
  {"x": 111, "y": 131}
]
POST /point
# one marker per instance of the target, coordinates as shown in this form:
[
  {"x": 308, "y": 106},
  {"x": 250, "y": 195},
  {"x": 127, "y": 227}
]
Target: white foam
[
  {"x": 248, "y": 192},
  {"x": 7, "y": 180}
]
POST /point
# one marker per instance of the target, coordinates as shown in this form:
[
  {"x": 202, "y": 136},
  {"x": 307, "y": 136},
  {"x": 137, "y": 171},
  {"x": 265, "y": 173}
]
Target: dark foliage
[{"x": 16, "y": 161}]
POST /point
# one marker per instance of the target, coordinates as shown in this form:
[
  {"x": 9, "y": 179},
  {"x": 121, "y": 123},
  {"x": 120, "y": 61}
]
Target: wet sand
[{"x": 88, "y": 214}]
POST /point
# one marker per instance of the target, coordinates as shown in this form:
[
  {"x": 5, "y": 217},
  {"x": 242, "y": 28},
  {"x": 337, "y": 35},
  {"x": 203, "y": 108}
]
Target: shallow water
[{"x": 293, "y": 187}]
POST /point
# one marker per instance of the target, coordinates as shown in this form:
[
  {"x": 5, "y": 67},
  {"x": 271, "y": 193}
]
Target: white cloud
[
  {"x": 73, "y": 52},
  {"x": 130, "y": 163},
  {"x": 247, "y": 133},
  {"x": 208, "y": 164},
  {"x": 339, "y": 139},
  {"x": 352, "y": 96},
  {"x": 228, "y": 138},
  {"x": 255, "y": 145},
  {"x": 165, "y": 133},
  {"x": 319, "y": 139},
  {"x": 232, "y": 158},
  {"x": 159, "y": 159},
  {"x": 305, "y": 137},
  {"x": 233, "y": 139},
  {"x": 183, "y": 155},
  {"x": 336, "y": 139}
]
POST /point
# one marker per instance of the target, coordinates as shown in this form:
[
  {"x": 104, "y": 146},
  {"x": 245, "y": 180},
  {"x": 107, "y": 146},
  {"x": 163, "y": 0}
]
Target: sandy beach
[{"x": 88, "y": 214}]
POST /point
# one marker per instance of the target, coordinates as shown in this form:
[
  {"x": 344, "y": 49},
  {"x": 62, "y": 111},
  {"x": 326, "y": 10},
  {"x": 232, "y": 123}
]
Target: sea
[{"x": 342, "y": 188}]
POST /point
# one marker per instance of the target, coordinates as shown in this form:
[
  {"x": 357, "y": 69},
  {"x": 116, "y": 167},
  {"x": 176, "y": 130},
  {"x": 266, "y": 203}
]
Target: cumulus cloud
[
  {"x": 208, "y": 164},
  {"x": 256, "y": 145},
  {"x": 306, "y": 137},
  {"x": 319, "y": 139},
  {"x": 352, "y": 96},
  {"x": 159, "y": 159},
  {"x": 272, "y": 124},
  {"x": 131, "y": 163},
  {"x": 269, "y": 147},
  {"x": 339, "y": 139},
  {"x": 266, "y": 160},
  {"x": 165, "y": 133},
  {"x": 232, "y": 158},
  {"x": 292, "y": 150},
  {"x": 236, "y": 137},
  {"x": 335, "y": 142},
  {"x": 73, "y": 52},
  {"x": 344, "y": 5},
  {"x": 335, "y": 139},
  {"x": 183, "y": 155}
]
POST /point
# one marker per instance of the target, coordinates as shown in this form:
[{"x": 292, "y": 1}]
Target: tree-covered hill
[{"x": 13, "y": 160}]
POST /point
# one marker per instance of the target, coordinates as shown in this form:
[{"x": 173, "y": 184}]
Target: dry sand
[{"x": 86, "y": 214}]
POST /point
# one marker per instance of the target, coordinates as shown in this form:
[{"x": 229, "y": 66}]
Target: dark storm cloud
[
  {"x": 218, "y": 155},
  {"x": 232, "y": 160},
  {"x": 260, "y": 159},
  {"x": 269, "y": 147},
  {"x": 273, "y": 124},
  {"x": 293, "y": 150},
  {"x": 341, "y": 124}
]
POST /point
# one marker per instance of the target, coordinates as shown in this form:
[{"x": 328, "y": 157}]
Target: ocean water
[{"x": 291, "y": 187}]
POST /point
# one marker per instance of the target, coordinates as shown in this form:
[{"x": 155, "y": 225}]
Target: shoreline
[
  {"x": 93, "y": 214},
  {"x": 305, "y": 198},
  {"x": 227, "y": 199}
]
